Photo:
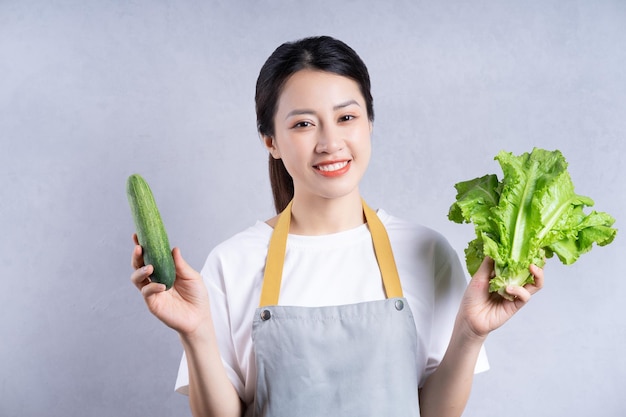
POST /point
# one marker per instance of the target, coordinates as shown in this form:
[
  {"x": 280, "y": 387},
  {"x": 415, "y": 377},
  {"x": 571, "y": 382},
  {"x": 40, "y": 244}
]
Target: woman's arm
[
  {"x": 446, "y": 391},
  {"x": 210, "y": 391},
  {"x": 185, "y": 308}
]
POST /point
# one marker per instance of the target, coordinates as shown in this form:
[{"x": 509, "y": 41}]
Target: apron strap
[
  {"x": 278, "y": 246},
  {"x": 384, "y": 253}
]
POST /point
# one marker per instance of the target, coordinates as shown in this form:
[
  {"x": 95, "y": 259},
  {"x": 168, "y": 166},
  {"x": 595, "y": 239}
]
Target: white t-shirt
[{"x": 334, "y": 269}]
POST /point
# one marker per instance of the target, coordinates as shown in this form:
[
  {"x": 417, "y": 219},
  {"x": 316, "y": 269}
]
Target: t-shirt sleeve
[
  {"x": 182, "y": 379},
  {"x": 450, "y": 285}
]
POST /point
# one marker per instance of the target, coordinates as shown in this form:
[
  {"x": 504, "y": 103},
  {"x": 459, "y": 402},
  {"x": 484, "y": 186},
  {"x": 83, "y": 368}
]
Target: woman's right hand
[{"x": 185, "y": 306}]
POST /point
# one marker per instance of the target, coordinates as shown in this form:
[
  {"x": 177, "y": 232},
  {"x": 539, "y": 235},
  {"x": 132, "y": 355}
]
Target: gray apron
[{"x": 347, "y": 360}]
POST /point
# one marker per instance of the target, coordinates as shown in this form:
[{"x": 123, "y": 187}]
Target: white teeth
[{"x": 332, "y": 167}]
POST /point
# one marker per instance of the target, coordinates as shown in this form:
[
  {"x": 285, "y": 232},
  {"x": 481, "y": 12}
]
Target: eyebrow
[{"x": 339, "y": 106}]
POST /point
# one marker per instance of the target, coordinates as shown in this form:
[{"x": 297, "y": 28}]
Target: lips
[{"x": 334, "y": 168}]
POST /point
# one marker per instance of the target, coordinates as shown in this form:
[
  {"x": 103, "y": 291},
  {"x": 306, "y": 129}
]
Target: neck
[{"x": 326, "y": 216}]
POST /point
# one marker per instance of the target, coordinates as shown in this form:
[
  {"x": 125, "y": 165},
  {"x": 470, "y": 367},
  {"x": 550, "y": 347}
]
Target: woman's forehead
[{"x": 311, "y": 89}]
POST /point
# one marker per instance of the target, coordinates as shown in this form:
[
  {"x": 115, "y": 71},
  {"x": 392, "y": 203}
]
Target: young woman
[{"x": 329, "y": 308}]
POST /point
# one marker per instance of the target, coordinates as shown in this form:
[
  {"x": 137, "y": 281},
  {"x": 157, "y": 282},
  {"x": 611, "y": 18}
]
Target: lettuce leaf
[{"x": 531, "y": 215}]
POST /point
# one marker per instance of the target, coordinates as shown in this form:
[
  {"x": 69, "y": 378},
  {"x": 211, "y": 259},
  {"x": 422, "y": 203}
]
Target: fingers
[
  {"x": 136, "y": 259},
  {"x": 183, "y": 269},
  {"x": 152, "y": 288},
  {"x": 485, "y": 272},
  {"x": 518, "y": 294},
  {"x": 538, "y": 276},
  {"x": 141, "y": 276},
  {"x": 486, "y": 268},
  {"x": 179, "y": 261},
  {"x": 524, "y": 293},
  {"x": 141, "y": 279},
  {"x": 480, "y": 280}
]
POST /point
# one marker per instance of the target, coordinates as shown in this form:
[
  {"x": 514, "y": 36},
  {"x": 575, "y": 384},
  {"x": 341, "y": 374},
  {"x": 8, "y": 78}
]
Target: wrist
[
  {"x": 200, "y": 336},
  {"x": 467, "y": 335}
]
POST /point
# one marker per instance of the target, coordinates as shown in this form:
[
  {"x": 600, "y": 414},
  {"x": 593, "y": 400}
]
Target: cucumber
[{"x": 150, "y": 231}]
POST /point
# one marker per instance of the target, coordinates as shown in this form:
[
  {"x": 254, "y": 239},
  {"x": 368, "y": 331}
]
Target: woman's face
[{"x": 322, "y": 134}]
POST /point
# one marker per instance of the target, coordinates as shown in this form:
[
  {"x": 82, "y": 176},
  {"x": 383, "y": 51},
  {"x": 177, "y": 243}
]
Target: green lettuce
[{"x": 529, "y": 216}]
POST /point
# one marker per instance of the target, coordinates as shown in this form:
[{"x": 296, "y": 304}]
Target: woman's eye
[
  {"x": 346, "y": 118},
  {"x": 303, "y": 124}
]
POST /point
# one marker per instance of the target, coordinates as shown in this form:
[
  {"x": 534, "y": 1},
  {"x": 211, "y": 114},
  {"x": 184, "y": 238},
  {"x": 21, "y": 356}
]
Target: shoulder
[
  {"x": 407, "y": 231},
  {"x": 255, "y": 235},
  {"x": 418, "y": 247},
  {"x": 251, "y": 243}
]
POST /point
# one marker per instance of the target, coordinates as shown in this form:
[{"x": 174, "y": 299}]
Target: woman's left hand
[{"x": 482, "y": 311}]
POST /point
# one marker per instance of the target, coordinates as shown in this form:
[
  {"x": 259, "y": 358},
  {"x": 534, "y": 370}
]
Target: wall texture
[{"x": 91, "y": 91}]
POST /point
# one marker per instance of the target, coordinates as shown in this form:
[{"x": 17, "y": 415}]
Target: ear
[{"x": 270, "y": 144}]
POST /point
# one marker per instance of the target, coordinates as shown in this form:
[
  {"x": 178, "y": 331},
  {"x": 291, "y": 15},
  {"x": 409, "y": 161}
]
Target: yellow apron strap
[
  {"x": 278, "y": 246},
  {"x": 275, "y": 259},
  {"x": 384, "y": 254}
]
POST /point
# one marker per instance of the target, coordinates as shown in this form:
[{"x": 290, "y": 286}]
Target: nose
[{"x": 330, "y": 140}]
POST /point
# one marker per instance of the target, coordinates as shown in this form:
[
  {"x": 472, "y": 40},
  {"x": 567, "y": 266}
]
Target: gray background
[{"x": 91, "y": 92}]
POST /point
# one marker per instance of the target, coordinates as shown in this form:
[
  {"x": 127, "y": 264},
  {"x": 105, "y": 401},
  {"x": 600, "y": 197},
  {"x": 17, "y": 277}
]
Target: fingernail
[{"x": 144, "y": 269}]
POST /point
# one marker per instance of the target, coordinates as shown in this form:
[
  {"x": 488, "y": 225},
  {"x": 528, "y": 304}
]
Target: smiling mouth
[{"x": 333, "y": 169}]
